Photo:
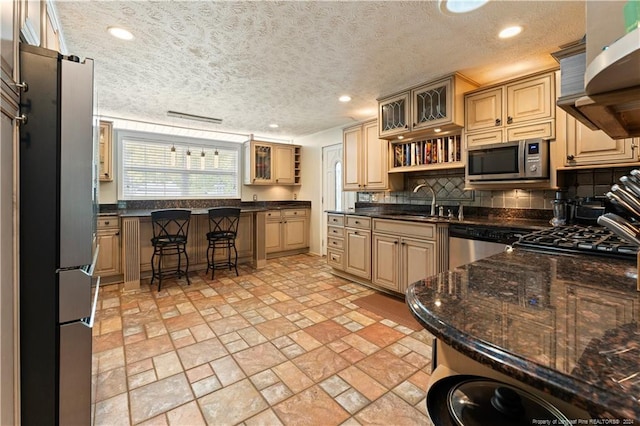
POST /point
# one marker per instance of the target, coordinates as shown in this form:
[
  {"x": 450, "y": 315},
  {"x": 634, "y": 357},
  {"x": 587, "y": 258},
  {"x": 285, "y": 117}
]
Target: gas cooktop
[{"x": 579, "y": 239}]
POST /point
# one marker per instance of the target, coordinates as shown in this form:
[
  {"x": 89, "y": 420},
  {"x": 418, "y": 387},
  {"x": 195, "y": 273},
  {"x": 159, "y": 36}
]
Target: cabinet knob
[
  {"x": 406, "y": 126},
  {"x": 277, "y": 180},
  {"x": 106, "y": 222},
  {"x": 509, "y": 120},
  {"x": 357, "y": 221},
  {"x": 395, "y": 242},
  {"x": 633, "y": 146},
  {"x": 498, "y": 121},
  {"x": 570, "y": 157},
  {"x": 295, "y": 213}
]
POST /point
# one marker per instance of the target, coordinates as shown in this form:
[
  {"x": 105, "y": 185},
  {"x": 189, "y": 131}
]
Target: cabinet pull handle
[
  {"x": 118, "y": 233},
  {"x": 23, "y": 86},
  {"x": 509, "y": 120},
  {"x": 498, "y": 121},
  {"x": 570, "y": 157},
  {"x": 21, "y": 119},
  {"x": 633, "y": 146},
  {"x": 106, "y": 222}
]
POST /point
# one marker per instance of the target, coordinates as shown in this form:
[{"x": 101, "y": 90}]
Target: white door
[{"x": 333, "y": 198}]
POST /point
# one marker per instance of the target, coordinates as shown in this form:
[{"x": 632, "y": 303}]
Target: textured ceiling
[{"x": 255, "y": 63}]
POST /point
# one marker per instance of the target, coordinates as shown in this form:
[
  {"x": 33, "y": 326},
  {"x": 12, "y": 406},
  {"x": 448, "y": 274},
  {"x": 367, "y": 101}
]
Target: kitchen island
[{"x": 565, "y": 325}]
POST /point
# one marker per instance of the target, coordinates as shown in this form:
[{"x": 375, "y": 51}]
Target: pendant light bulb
[
  {"x": 202, "y": 159},
  {"x": 172, "y": 155},
  {"x": 188, "y": 158},
  {"x": 216, "y": 159}
]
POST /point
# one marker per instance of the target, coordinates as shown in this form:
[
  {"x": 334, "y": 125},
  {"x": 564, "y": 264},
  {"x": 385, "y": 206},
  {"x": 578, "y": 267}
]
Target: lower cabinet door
[
  {"x": 418, "y": 261},
  {"x": 385, "y": 271},
  {"x": 358, "y": 250},
  {"x": 273, "y": 236}
]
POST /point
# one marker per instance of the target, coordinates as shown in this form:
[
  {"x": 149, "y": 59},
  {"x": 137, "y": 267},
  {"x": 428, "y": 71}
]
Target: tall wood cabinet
[
  {"x": 105, "y": 151},
  {"x": 518, "y": 109},
  {"x": 366, "y": 160}
]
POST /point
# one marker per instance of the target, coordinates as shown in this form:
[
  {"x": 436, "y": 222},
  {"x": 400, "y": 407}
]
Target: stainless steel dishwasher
[{"x": 470, "y": 242}]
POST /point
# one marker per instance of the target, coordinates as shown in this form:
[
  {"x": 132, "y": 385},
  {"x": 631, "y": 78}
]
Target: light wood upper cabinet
[
  {"x": 366, "y": 160},
  {"x": 519, "y": 109},
  {"x": 393, "y": 115},
  {"x": 484, "y": 110},
  {"x": 9, "y": 14},
  {"x": 269, "y": 163},
  {"x": 105, "y": 161},
  {"x": 589, "y": 147},
  {"x": 284, "y": 164},
  {"x": 419, "y": 110}
]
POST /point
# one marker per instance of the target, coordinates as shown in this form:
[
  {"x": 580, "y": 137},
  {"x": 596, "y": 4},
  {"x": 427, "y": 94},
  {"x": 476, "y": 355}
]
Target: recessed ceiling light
[
  {"x": 510, "y": 31},
  {"x": 273, "y": 125},
  {"x": 120, "y": 33},
  {"x": 400, "y": 137},
  {"x": 437, "y": 130},
  {"x": 344, "y": 98},
  {"x": 460, "y": 6}
]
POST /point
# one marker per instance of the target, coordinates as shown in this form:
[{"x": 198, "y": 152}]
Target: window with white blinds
[{"x": 150, "y": 169}]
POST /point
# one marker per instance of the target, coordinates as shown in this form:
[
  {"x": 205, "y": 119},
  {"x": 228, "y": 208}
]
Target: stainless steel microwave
[{"x": 523, "y": 160}]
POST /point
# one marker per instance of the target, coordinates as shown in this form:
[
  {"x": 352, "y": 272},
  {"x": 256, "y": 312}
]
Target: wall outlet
[
  {"x": 295, "y": 196},
  {"x": 255, "y": 197}
]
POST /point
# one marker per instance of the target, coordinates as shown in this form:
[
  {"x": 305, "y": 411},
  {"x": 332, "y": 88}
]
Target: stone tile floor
[{"x": 282, "y": 345}]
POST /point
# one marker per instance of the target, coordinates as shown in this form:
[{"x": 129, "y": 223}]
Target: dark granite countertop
[
  {"x": 565, "y": 324},
  {"x": 417, "y": 216},
  {"x": 198, "y": 207},
  {"x": 195, "y": 211}
]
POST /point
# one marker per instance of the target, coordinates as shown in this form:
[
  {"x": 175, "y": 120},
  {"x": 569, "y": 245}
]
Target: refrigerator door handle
[
  {"x": 89, "y": 320},
  {"x": 90, "y": 268}
]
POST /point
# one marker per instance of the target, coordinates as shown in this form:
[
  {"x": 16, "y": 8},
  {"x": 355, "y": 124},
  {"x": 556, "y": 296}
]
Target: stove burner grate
[{"x": 579, "y": 239}]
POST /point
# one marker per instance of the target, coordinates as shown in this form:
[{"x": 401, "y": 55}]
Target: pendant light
[
  {"x": 188, "y": 158},
  {"x": 216, "y": 159},
  {"x": 202, "y": 159},
  {"x": 173, "y": 156}
]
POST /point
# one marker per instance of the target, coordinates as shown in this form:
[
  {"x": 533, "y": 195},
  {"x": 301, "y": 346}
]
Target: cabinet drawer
[
  {"x": 530, "y": 131},
  {"x": 335, "y": 258},
  {"x": 335, "y": 219},
  {"x": 336, "y": 243},
  {"x": 410, "y": 229},
  {"x": 335, "y": 231},
  {"x": 273, "y": 215},
  {"x": 108, "y": 222},
  {"x": 493, "y": 136},
  {"x": 294, "y": 213},
  {"x": 358, "y": 222}
]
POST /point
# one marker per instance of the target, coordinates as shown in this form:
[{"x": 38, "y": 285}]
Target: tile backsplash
[{"x": 449, "y": 188}]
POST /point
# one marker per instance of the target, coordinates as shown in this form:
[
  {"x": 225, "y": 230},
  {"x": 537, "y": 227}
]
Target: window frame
[{"x": 170, "y": 140}]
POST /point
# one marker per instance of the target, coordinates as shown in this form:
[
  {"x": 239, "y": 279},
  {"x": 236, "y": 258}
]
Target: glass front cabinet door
[
  {"x": 263, "y": 162},
  {"x": 431, "y": 104},
  {"x": 393, "y": 115}
]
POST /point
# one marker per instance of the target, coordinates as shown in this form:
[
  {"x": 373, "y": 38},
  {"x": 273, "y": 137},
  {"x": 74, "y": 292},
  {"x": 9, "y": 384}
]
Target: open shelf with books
[{"x": 428, "y": 154}]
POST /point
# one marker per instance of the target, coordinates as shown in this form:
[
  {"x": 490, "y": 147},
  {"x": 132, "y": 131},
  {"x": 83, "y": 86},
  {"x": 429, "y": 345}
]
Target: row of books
[{"x": 440, "y": 150}]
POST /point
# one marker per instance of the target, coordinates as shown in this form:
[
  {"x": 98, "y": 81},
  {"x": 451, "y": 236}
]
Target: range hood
[{"x": 610, "y": 97}]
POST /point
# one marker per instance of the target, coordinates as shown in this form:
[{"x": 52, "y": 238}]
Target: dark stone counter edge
[
  {"x": 245, "y": 206},
  {"x": 534, "y": 225},
  {"x": 571, "y": 390}
]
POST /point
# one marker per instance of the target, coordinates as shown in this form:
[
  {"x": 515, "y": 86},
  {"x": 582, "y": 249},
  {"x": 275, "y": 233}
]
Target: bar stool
[
  {"x": 223, "y": 229},
  {"x": 170, "y": 231}
]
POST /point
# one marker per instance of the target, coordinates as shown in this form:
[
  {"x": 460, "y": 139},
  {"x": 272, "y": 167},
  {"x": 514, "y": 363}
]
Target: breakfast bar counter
[
  {"x": 566, "y": 325},
  {"x": 136, "y": 236}
]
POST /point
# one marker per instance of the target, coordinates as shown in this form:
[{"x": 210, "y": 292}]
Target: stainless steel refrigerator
[{"x": 58, "y": 206}]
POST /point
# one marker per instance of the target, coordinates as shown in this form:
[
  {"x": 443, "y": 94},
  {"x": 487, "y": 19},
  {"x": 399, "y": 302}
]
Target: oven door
[{"x": 495, "y": 162}]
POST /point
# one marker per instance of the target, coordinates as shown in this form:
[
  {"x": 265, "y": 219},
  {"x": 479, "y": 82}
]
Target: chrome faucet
[{"x": 433, "y": 195}]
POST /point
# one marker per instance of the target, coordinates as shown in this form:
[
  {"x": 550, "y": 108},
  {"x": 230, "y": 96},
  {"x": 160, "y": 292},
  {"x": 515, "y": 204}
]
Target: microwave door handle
[{"x": 523, "y": 159}]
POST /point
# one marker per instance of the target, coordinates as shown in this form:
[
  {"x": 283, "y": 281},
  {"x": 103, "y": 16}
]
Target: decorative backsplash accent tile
[{"x": 449, "y": 188}]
